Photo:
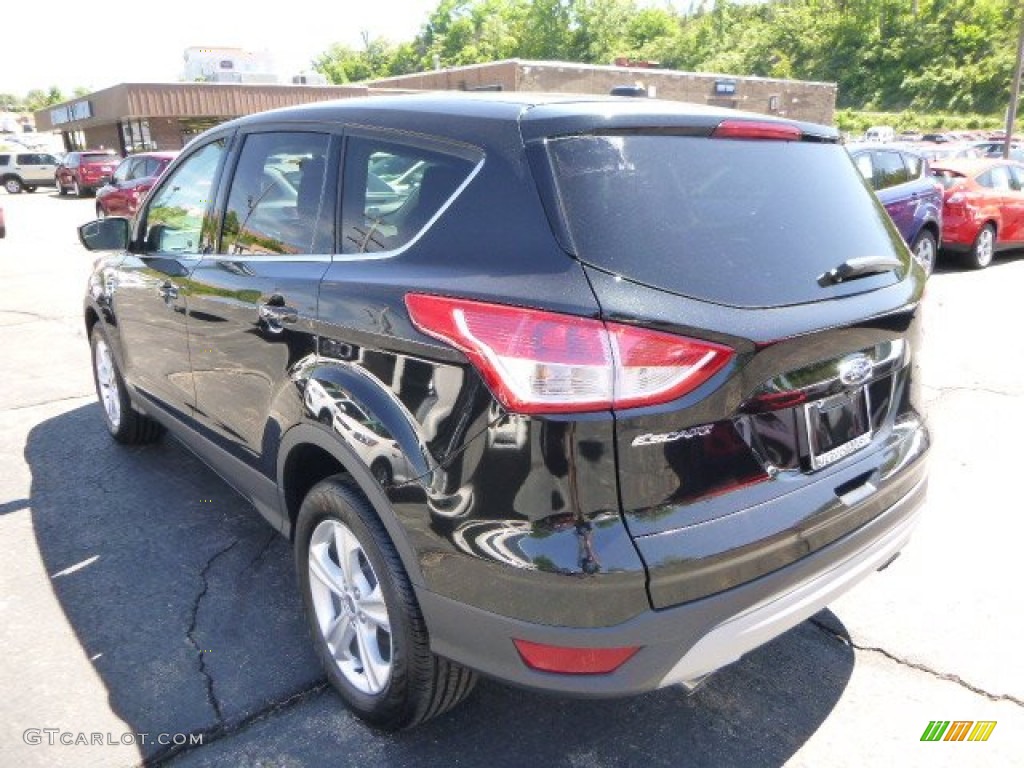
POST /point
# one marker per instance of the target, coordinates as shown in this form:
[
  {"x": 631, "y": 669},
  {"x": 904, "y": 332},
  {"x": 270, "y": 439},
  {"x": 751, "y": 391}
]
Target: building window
[{"x": 136, "y": 137}]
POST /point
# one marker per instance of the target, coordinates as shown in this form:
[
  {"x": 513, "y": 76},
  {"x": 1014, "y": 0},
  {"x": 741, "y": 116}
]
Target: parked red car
[
  {"x": 85, "y": 172},
  {"x": 983, "y": 208},
  {"x": 131, "y": 181}
]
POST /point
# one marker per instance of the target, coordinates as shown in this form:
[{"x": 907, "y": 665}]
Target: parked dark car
[
  {"x": 904, "y": 186},
  {"x": 983, "y": 209},
  {"x": 647, "y": 367},
  {"x": 132, "y": 179},
  {"x": 82, "y": 173}
]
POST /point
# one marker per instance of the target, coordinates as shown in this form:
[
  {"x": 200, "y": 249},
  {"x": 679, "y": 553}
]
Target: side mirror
[{"x": 110, "y": 234}]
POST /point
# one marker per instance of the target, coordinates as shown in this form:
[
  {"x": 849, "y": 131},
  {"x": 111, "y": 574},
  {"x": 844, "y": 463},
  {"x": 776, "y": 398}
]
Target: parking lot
[{"x": 144, "y": 602}]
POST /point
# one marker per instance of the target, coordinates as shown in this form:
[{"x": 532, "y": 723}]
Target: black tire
[
  {"x": 125, "y": 424},
  {"x": 983, "y": 249},
  {"x": 418, "y": 684},
  {"x": 60, "y": 188},
  {"x": 13, "y": 185},
  {"x": 76, "y": 190},
  {"x": 925, "y": 250}
]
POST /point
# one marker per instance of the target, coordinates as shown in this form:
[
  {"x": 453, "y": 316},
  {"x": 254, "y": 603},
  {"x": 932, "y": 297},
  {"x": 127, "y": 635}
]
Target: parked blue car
[{"x": 901, "y": 180}]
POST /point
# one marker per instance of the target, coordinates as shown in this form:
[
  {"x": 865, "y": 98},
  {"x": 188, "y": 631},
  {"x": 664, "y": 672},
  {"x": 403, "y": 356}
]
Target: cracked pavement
[{"x": 139, "y": 594}]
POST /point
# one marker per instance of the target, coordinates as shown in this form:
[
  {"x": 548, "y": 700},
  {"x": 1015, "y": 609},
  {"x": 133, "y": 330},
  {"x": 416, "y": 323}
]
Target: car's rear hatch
[{"x": 760, "y": 236}]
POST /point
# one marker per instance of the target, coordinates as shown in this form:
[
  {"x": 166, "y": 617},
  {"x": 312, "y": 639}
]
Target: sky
[{"x": 136, "y": 42}]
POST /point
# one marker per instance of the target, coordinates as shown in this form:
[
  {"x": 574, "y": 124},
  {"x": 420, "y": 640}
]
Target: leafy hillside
[{"x": 947, "y": 55}]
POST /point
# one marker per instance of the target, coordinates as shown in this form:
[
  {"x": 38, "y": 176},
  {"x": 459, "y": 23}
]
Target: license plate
[{"x": 837, "y": 426}]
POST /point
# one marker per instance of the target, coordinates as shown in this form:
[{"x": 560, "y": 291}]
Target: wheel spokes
[
  {"x": 326, "y": 570},
  {"x": 374, "y": 609},
  {"x": 349, "y": 607}
]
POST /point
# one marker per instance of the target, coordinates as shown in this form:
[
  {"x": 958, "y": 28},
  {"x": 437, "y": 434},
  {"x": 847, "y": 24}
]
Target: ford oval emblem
[{"x": 855, "y": 370}]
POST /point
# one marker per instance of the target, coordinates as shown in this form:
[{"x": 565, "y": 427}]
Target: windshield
[{"x": 739, "y": 222}]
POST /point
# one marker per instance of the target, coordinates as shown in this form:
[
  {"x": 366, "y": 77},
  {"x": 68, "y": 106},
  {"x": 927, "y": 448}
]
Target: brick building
[{"x": 131, "y": 117}]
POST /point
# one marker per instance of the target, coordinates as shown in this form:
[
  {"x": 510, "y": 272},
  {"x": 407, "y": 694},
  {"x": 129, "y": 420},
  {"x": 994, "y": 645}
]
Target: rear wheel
[
  {"x": 363, "y": 615},
  {"x": 75, "y": 189},
  {"x": 13, "y": 185},
  {"x": 925, "y": 250},
  {"x": 125, "y": 424},
  {"x": 60, "y": 188},
  {"x": 981, "y": 253}
]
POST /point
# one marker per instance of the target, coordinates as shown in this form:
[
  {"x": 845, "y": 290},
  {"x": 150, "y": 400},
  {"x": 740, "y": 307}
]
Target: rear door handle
[{"x": 277, "y": 315}]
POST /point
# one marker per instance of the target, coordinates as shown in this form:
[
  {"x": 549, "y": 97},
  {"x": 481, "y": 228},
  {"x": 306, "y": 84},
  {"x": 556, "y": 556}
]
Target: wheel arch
[{"x": 308, "y": 454}]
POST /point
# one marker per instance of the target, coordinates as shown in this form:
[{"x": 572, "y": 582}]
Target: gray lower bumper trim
[{"x": 760, "y": 623}]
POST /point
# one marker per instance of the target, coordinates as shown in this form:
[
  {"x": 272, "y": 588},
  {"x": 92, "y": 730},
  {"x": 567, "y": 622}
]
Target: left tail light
[{"x": 546, "y": 362}]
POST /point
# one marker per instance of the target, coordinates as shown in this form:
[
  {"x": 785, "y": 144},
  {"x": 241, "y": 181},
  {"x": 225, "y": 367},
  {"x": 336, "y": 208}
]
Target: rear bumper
[{"x": 684, "y": 643}]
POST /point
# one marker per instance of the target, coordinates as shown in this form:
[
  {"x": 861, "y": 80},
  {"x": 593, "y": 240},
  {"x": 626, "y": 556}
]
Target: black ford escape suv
[{"x": 589, "y": 395}]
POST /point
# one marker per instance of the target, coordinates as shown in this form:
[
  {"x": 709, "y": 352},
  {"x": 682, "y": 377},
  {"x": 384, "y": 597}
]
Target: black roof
[{"x": 459, "y": 114}]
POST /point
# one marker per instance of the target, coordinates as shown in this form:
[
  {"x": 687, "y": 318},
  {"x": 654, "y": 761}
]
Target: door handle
[
  {"x": 277, "y": 315},
  {"x": 168, "y": 292}
]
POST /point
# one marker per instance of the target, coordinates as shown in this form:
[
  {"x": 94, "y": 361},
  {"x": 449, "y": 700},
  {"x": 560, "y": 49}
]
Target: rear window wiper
[{"x": 861, "y": 266}]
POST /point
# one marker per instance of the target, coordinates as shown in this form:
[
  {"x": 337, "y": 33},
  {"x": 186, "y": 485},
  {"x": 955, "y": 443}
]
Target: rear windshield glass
[
  {"x": 98, "y": 157},
  {"x": 947, "y": 178},
  {"x": 739, "y": 222}
]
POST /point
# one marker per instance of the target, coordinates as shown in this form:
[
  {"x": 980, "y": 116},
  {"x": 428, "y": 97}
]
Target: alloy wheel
[
  {"x": 106, "y": 379},
  {"x": 924, "y": 252},
  {"x": 350, "y": 609},
  {"x": 985, "y": 247}
]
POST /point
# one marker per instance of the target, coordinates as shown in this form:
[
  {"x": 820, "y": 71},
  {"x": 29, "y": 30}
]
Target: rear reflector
[
  {"x": 756, "y": 129},
  {"x": 545, "y": 362},
  {"x": 573, "y": 661}
]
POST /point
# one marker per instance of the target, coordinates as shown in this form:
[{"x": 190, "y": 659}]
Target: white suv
[{"x": 26, "y": 170}]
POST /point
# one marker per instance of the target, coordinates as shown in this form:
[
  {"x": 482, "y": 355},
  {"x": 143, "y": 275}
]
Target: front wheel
[
  {"x": 363, "y": 615},
  {"x": 125, "y": 424},
  {"x": 984, "y": 248},
  {"x": 925, "y": 250}
]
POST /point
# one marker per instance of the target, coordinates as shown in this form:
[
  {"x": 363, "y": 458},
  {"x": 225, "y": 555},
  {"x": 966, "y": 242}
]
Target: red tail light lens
[
  {"x": 544, "y": 362},
  {"x": 756, "y": 129}
]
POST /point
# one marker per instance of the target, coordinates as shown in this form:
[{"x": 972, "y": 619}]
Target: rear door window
[
  {"x": 736, "y": 222},
  {"x": 999, "y": 178},
  {"x": 392, "y": 191},
  {"x": 277, "y": 199}
]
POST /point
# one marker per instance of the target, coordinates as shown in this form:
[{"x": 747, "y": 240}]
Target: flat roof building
[
  {"x": 132, "y": 117},
  {"x": 797, "y": 99}
]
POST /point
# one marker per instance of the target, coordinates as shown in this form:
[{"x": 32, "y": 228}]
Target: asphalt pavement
[{"x": 149, "y": 615}]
